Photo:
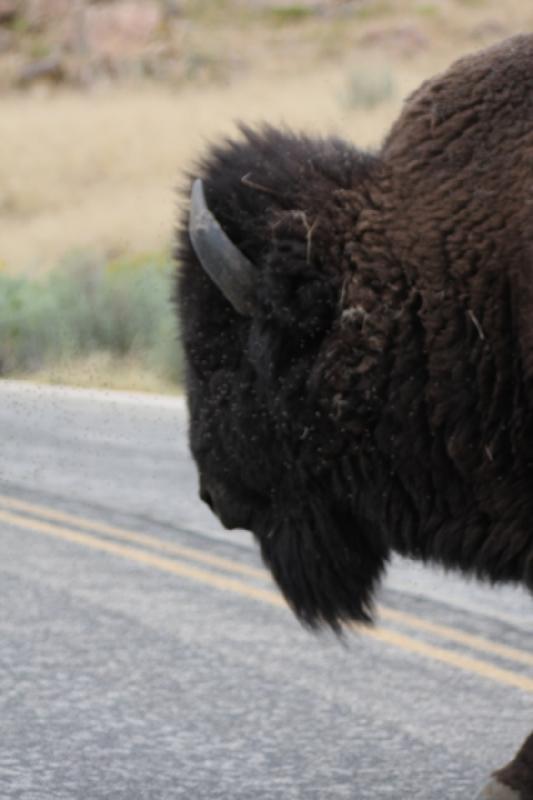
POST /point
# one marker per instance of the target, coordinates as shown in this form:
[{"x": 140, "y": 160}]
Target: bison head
[{"x": 264, "y": 255}]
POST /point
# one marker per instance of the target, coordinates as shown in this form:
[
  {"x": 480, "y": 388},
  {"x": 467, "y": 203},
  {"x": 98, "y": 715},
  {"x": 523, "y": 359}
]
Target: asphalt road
[{"x": 146, "y": 654}]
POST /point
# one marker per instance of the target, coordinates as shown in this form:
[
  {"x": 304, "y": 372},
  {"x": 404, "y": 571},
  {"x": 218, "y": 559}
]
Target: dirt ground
[{"x": 98, "y": 169}]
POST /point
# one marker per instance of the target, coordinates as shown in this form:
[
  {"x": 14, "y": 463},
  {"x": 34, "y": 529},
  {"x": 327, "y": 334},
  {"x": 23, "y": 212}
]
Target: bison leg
[{"x": 515, "y": 781}]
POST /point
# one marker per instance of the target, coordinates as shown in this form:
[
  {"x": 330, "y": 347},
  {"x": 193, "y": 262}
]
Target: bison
[{"x": 358, "y": 335}]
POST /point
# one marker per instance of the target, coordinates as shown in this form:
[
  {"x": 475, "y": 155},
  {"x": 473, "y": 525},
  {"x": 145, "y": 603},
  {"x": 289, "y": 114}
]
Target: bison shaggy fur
[{"x": 379, "y": 397}]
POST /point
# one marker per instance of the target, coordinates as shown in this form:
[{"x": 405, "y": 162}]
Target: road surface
[{"x": 146, "y": 654}]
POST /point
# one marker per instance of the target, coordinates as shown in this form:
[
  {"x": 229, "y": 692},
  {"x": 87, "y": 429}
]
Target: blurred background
[{"x": 104, "y": 106}]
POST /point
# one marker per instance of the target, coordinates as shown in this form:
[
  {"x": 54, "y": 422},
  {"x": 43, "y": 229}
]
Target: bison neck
[{"x": 424, "y": 381}]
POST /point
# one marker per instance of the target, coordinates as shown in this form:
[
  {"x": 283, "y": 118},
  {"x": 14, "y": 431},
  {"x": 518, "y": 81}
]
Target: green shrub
[
  {"x": 285, "y": 15},
  {"x": 121, "y": 307}
]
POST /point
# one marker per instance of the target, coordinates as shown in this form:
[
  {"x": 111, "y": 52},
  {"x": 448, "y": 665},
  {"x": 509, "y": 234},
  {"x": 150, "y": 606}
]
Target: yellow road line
[
  {"x": 132, "y": 536},
  {"x": 386, "y": 636},
  {"x": 143, "y": 557},
  {"x": 389, "y": 614},
  {"x": 454, "y": 635},
  {"x": 465, "y": 663}
]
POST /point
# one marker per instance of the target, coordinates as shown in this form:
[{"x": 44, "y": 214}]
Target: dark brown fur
[
  {"x": 380, "y": 398},
  {"x": 391, "y": 359}
]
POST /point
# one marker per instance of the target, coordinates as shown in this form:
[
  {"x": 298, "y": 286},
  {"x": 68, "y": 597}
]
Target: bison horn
[{"x": 232, "y": 272}]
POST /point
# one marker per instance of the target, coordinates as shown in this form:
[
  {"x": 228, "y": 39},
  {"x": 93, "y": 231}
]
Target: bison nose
[{"x": 206, "y": 497}]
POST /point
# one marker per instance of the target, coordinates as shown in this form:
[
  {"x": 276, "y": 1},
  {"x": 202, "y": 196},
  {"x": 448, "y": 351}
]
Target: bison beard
[
  {"x": 312, "y": 557},
  {"x": 358, "y": 336}
]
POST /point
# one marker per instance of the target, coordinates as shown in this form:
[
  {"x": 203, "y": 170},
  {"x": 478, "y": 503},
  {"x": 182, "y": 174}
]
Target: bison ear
[{"x": 233, "y": 273}]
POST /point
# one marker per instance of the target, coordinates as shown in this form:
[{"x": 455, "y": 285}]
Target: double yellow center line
[{"x": 231, "y": 576}]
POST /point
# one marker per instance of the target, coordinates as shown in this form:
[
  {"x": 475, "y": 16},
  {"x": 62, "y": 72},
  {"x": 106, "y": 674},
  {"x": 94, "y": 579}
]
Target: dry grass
[
  {"x": 99, "y": 170},
  {"x": 104, "y": 371}
]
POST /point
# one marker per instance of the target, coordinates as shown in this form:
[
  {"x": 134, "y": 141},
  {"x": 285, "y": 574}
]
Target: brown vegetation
[{"x": 106, "y": 103}]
